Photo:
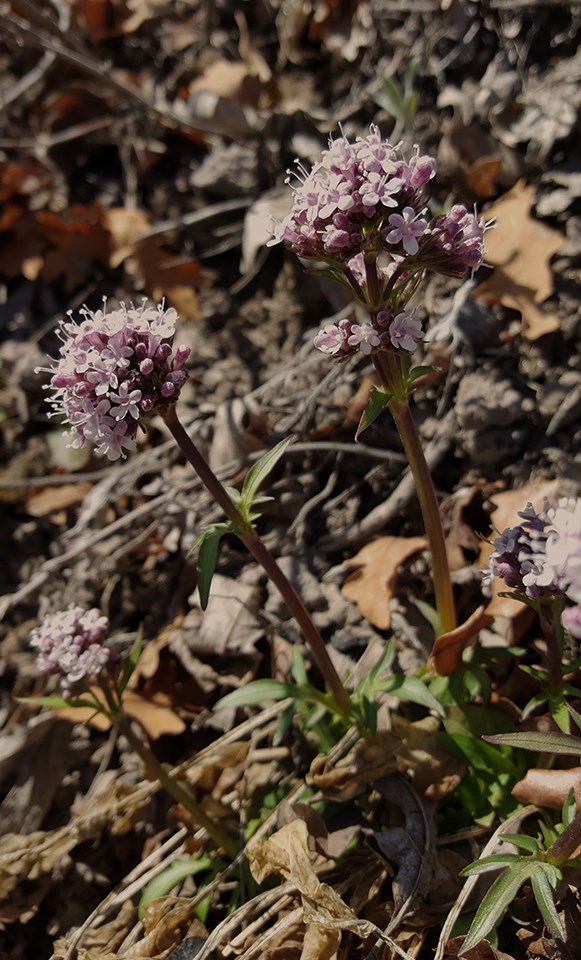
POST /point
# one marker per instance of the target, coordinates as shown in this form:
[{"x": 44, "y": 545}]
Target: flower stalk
[
  {"x": 389, "y": 368},
  {"x": 251, "y": 540},
  {"x": 182, "y": 796}
]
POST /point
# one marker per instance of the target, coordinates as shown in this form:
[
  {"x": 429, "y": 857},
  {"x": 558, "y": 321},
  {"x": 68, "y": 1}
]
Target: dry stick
[{"x": 263, "y": 556}]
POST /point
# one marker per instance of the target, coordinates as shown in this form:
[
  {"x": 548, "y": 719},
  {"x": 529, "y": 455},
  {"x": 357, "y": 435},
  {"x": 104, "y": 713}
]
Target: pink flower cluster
[
  {"x": 113, "y": 367},
  {"x": 541, "y": 557},
  {"x": 363, "y": 197},
  {"x": 71, "y": 643},
  {"x": 360, "y": 196},
  {"x": 344, "y": 339}
]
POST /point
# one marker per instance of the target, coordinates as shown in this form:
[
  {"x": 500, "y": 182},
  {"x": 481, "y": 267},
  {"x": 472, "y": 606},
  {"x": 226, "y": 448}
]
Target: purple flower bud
[
  {"x": 114, "y": 366},
  {"x": 70, "y": 643}
]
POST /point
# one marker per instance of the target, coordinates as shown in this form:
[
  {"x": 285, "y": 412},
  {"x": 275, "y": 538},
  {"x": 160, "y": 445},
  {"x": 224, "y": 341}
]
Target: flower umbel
[
  {"x": 541, "y": 557},
  {"x": 360, "y": 215},
  {"x": 114, "y": 366},
  {"x": 71, "y": 643}
]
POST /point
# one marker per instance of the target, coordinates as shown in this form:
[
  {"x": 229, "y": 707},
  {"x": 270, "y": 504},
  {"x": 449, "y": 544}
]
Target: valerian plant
[
  {"x": 71, "y": 643},
  {"x": 116, "y": 366},
  {"x": 539, "y": 560},
  {"x": 541, "y": 863},
  {"x": 359, "y": 217}
]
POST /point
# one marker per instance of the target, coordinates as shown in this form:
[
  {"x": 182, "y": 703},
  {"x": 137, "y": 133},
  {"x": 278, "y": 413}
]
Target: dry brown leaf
[
  {"x": 161, "y": 274},
  {"x": 29, "y": 856},
  {"x": 41, "y": 503},
  {"x": 548, "y": 788},
  {"x": 373, "y": 585},
  {"x": 155, "y": 713},
  {"x": 446, "y": 653},
  {"x": 520, "y": 249},
  {"x": 505, "y": 514},
  {"x": 76, "y": 241},
  {"x": 408, "y": 748}
]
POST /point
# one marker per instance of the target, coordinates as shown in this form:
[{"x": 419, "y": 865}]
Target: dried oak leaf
[
  {"x": 154, "y": 713},
  {"x": 161, "y": 273},
  {"x": 408, "y": 748},
  {"x": 520, "y": 249},
  {"x": 76, "y": 241},
  {"x": 372, "y": 586}
]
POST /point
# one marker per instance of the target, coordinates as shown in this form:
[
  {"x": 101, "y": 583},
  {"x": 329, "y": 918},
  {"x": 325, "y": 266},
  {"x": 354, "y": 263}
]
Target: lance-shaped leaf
[
  {"x": 544, "y": 895},
  {"x": 501, "y": 894},
  {"x": 541, "y": 742},
  {"x": 261, "y": 469},
  {"x": 131, "y": 661},
  {"x": 208, "y": 543},
  {"x": 169, "y": 878},
  {"x": 376, "y": 404}
]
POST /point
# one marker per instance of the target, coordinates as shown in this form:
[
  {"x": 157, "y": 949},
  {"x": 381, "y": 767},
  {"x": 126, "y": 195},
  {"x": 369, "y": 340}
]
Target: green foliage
[
  {"x": 400, "y": 100},
  {"x": 317, "y": 711},
  {"x": 207, "y": 543},
  {"x": 131, "y": 662},
  {"x": 540, "y": 868},
  {"x": 379, "y": 399},
  {"x": 164, "y": 882}
]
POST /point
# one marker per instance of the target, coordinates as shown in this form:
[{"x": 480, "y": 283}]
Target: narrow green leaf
[
  {"x": 494, "y": 904},
  {"x": 207, "y": 559},
  {"x": 376, "y": 404},
  {"x": 429, "y": 613},
  {"x": 261, "y": 469},
  {"x": 256, "y": 692},
  {"x": 544, "y": 895},
  {"x": 169, "y": 878},
  {"x": 131, "y": 661},
  {"x": 235, "y": 496},
  {"x": 412, "y": 689},
  {"x": 522, "y": 841},
  {"x": 390, "y": 97},
  {"x": 417, "y": 372},
  {"x": 562, "y": 743},
  {"x": 559, "y": 712},
  {"x": 494, "y": 862},
  {"x": 298, "y": 669}
]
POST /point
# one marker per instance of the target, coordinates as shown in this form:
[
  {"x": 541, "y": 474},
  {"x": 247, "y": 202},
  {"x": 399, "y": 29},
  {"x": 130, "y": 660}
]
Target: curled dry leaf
[
  {"x": 372, "y": 586},
  {"x": 408, "y": 748},
  {"x": 29, "y": 856},
  {"x": 520, "y": 249},
  {"x": 446, "y": 653},
  {"x": 548, "y": 788}
]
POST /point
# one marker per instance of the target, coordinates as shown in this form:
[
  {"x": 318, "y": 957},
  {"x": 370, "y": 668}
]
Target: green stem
[
  {"x": 388, "y": 365},
  {"x": 263, "y": 556},
  {"x": 182, "y": 796}
]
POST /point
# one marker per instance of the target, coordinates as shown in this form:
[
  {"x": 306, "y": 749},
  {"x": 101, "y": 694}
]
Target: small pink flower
[
  {"x": 404, "y": 331},
  {"x": 333, "y": 338},
  {"x": 365, "y": 337},
  {"x": 405, "y": 228}
]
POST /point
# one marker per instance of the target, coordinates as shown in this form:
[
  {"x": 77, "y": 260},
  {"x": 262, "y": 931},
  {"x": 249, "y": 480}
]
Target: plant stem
[
  {"x": 182, "y": 796},
  {"x": 388, "y": 365},
  {"x": 566, "y": 845},
  {"x": 263, "y": 556}
]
